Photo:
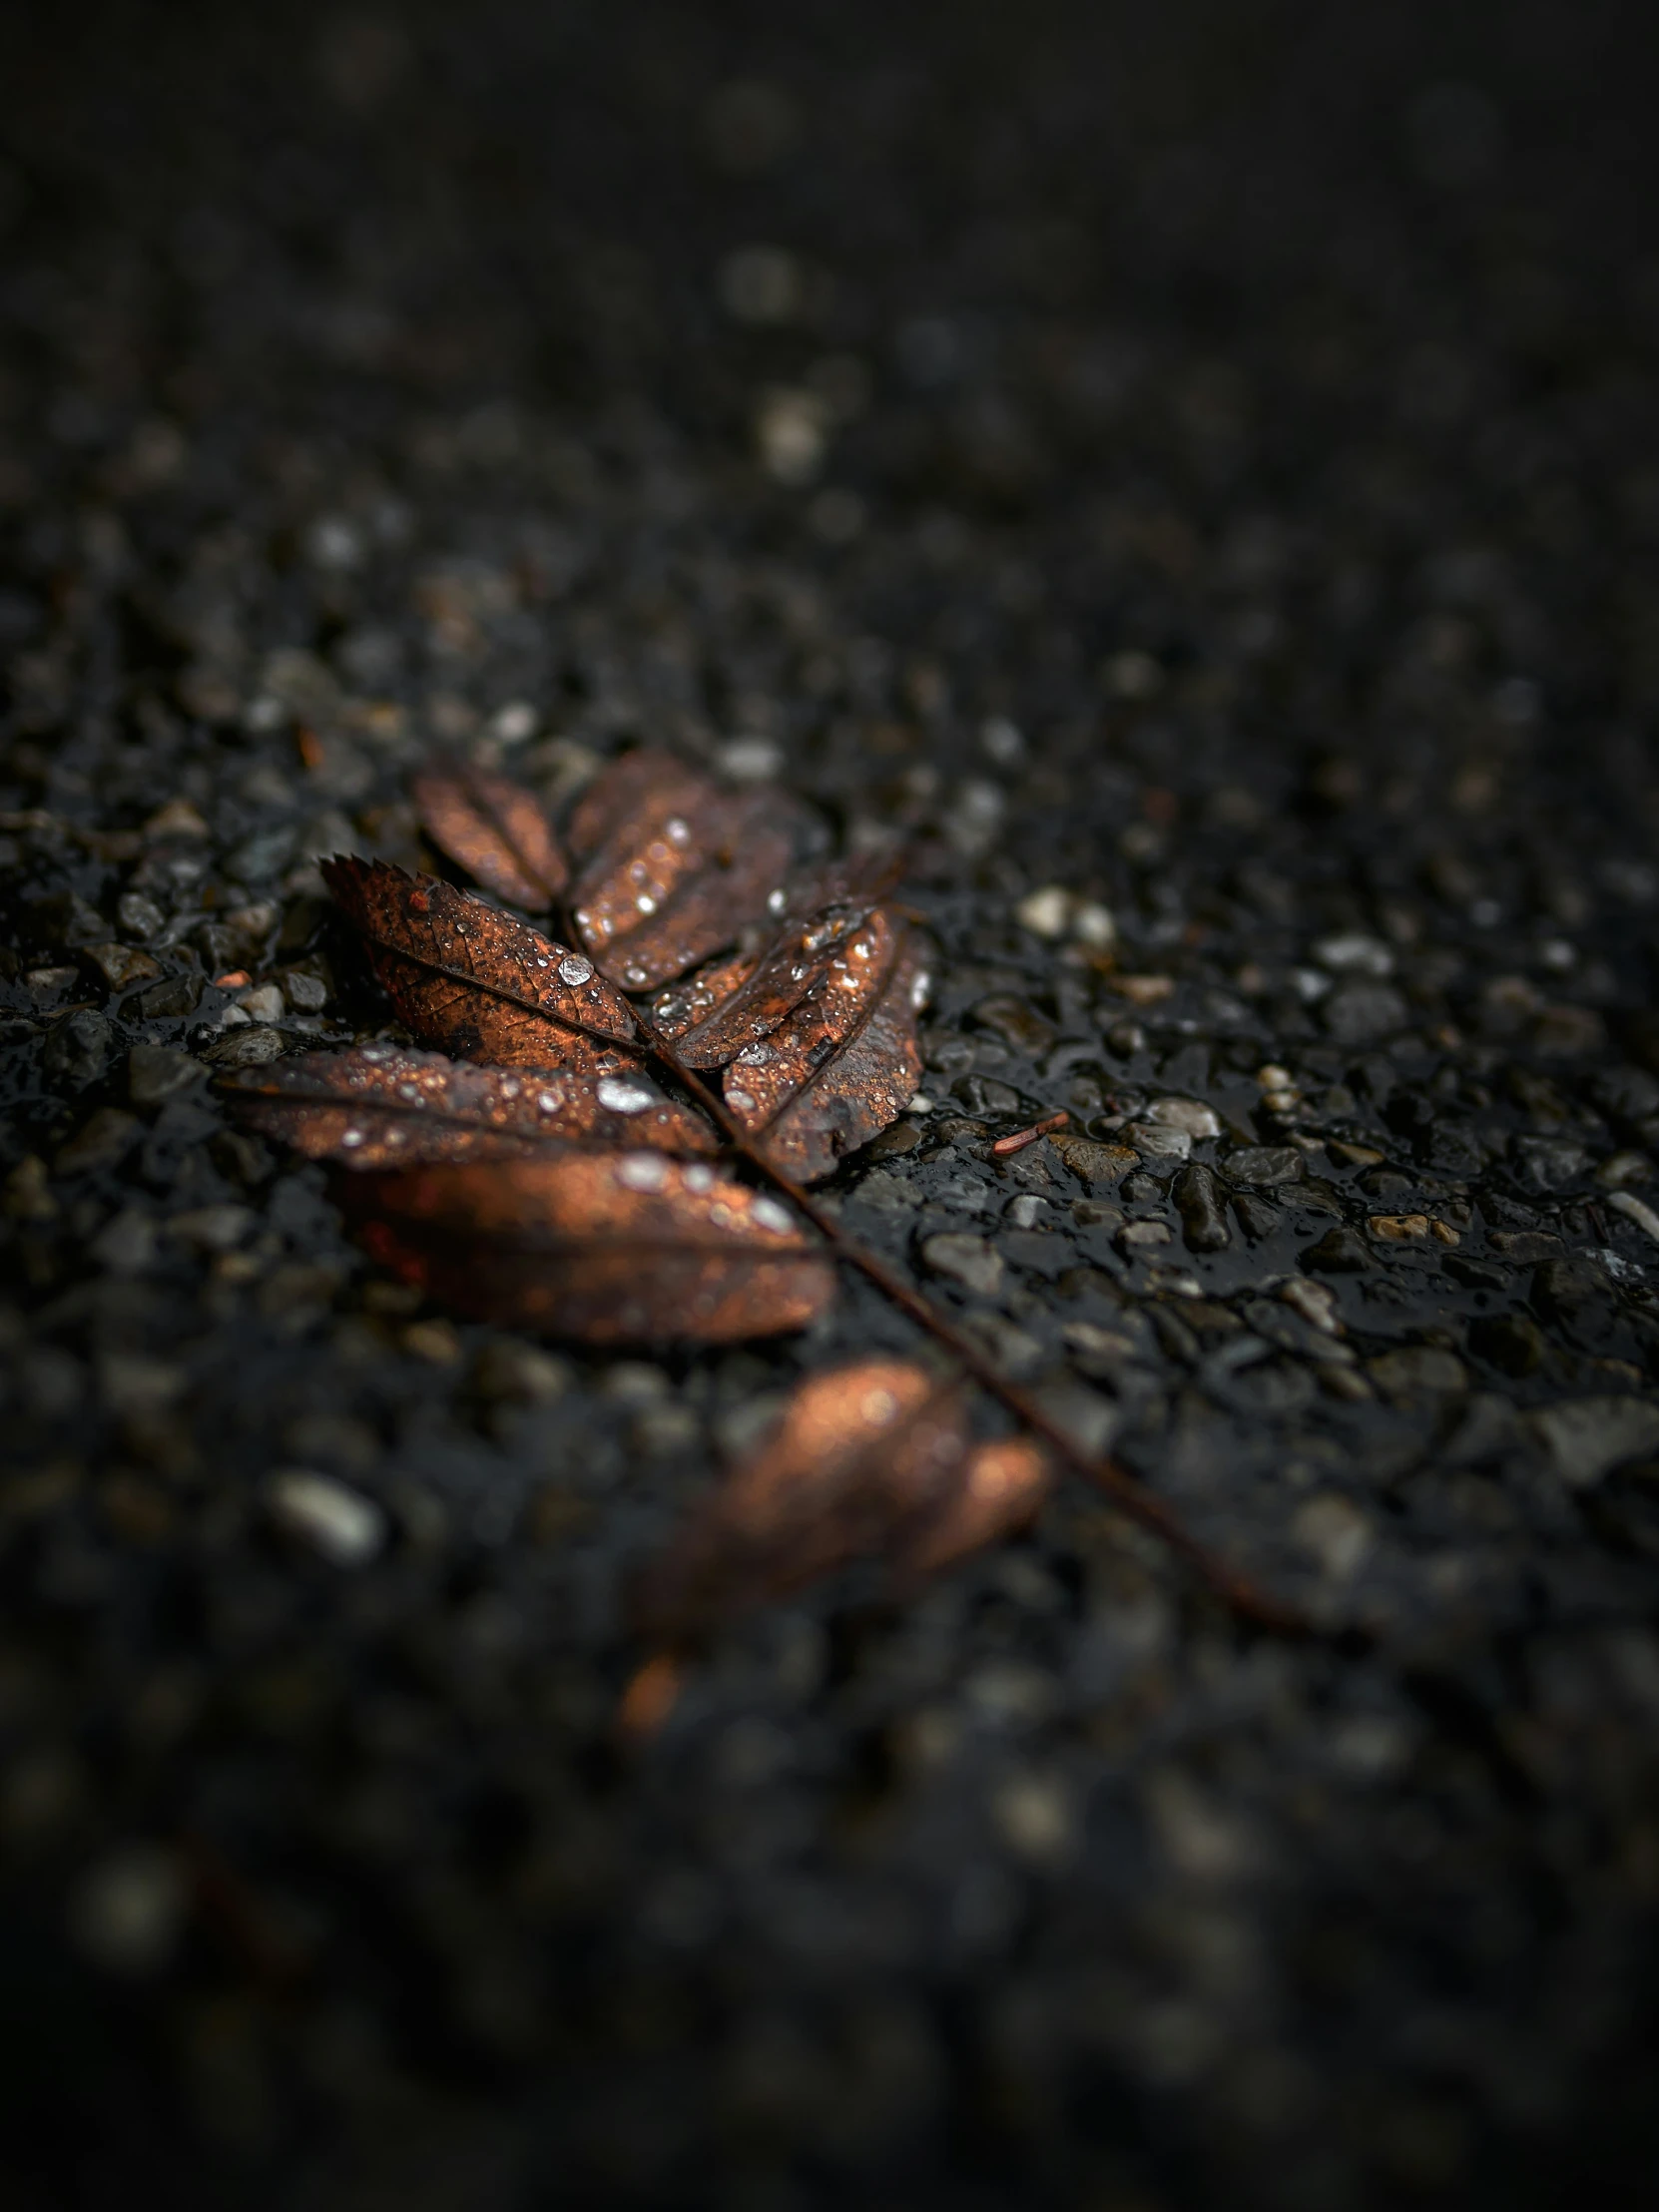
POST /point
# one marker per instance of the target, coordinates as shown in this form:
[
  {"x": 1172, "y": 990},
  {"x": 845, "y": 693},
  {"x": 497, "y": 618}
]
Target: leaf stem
[{"x": 1236, "y": 1590}]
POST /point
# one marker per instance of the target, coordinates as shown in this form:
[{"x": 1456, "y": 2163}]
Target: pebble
[
  {"x": 967, "y": 1260},
  {"x": 1155, "y": 1141},
  {"x": 1340, "y": 1251},
  {"x": 1359, "y": 1013},
  {"x": 156, "y": 1073},
  {"x": 340, "y": 1525},
  {"x": 1200, "y": 1122},
  {"x": 1266, "y": 1167},
  {"x": 248, "y": 1048},
  {"x": 1100, "y": 1166},
  {"x": 1046, "y": 913},
  {"x": 1198, "y": 1202},
  {"x": 1635, "y": 1209},
  {"x": 1587, "y": 1438},
  {"x": 79, "y": 1048},
  {"x": 127, "y": 1911}
]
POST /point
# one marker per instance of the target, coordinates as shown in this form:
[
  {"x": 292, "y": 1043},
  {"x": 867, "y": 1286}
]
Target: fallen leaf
[
  {"x": 1001, "y": 1489},
  {"x": 615, "y": 1248},
  {"x": 474, "y": 981},
  {"x": 675, "y": 868},
  {"x": 823, "y": 912},
  {"x": 696, "y": 996},
  {"x": 495, "y": 829},
  {"x": 380, "y": 1107},
  {"x": 871, "y": 1458},
  {"x": 845, "y": 1063}
]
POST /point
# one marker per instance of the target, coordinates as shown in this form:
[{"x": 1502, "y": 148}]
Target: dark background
[{"x": 1254, "y": 405}]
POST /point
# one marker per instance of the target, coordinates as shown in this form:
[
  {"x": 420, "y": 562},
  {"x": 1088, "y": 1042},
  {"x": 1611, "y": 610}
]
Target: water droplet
[
  {"x": 776, "y": 900},
  {"x": 620, "y": 1097},
  {"x": 574, "y": 969},
  {"x": 700, "y": 1179},
  {"x": 642, "y": 1171},
  {"x": 646, "y": 903},
  {"x": 634, "y": 975},
  {"x": 676, "y": 830},
  {"x": 741, "y": 1100},
  {"x": 919, "y": 988},
  {"x": 769, "y": 1215},
  {"x": 351, "y": 1139},
  {"x": 548, "y": 1102}
]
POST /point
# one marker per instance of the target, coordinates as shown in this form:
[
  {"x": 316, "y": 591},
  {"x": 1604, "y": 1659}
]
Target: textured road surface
[{"x": 1192, "y": 472}]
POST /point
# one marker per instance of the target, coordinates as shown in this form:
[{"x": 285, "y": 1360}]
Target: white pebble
[
  {"x": 1636, "y": 1210},
  {"x": 1046, "y": 913},
  {"x": 342, "y": 1525}
]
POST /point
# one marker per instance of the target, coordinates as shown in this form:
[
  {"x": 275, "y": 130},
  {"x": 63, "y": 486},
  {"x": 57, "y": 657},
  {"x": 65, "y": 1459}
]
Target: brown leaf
[
  {"x": 615, "y": 1248},
  {"x": 380, "y": 1107},
  {"x": 1001, "y": 1489},
  {"x": 475, "y": 982},
  {"x": 495, "y": 829},
  {"x": 696, "y": 996},
  {"x": 845, "y": 1063},
  {"x": 869, "y": 1458},
  {"x": 676, "y": 867},
  {"x": 826, "y": 909}
]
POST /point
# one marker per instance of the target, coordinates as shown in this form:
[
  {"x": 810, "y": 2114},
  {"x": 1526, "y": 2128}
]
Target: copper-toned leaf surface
[
  {"x": 495, "y": 829},
  {"x": 380, "y": 1107},
  {"x": 615, "y": 1248},
  {"x": 690, "y": 1002},
  {"x": 676, "y": 867},
  {"x": 474, "y": 981},
  {"x": 1001, "y": 1489},
  {"x": 867, "y": 1458},
  {"x": 824, "y": 911},
  {"x": 845, "y": 1063}
]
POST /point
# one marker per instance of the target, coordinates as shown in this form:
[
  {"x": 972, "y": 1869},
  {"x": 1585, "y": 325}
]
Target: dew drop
[
  {"x": 776, "y": 900},
  {"x": 676, "y": 830},
  {"x": 741, "y": 1100},
  {"x": 634, "y": 975},
  {"x": 353, "y": 1138},
  {"x": 574, "y": 969},
  {"x": 646, "y": 903},
  {"x": 919, "y": 988},
  {"x": 642, "y": 1171},
  {"x": 620, "y": 1097},
  {"x": 878, "y": 1406},
  {"x": 700, "y": 1179},
  {"x": 548, "y": 1102},
  {"x": 768, "y": 1214}
]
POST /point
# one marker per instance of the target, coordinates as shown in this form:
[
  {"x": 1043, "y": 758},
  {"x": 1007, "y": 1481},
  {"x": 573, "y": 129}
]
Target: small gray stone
[
  {"x": 248, "y": 1048},
  {"x": 1587, "y": 1436},
  {"x": 155, "y": 1072},
  {"x": 126, "y": 1245},
  {"x": 78, "y": 1050},
  {"x": 1549, "y": 1162},
  {"x": 1359, "y": 1012},
  {"x": 1202, "y": 1221},
  {"x": 126, "y": 1911},
  {"x": 1155, "y": 1141},
  {"x": 1264, "y": 1166},
  {"x": 1088, "y": 1418},
  {"x": 967, "y": 1260},
  {"x": 1417, "y": 1371},
  {"x": 888, "y": 1194}
]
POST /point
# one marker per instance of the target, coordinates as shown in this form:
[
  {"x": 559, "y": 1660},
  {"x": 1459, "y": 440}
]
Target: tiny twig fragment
[{"x": 1020, "y": 1138}]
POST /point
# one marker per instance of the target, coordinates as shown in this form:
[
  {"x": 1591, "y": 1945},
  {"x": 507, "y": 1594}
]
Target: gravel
[{"x": 1196, "y": 492}]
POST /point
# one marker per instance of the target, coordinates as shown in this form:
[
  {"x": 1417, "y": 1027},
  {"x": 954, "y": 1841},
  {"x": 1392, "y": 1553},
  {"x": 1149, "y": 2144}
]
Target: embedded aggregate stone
[{"x": 1190, "y": 494}]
